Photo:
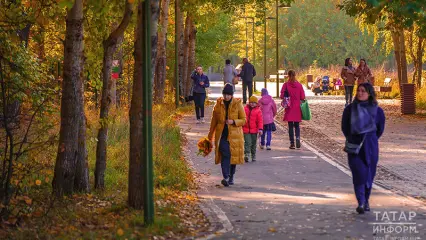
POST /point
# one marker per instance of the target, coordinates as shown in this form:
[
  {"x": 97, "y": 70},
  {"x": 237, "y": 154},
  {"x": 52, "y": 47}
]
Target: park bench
[
  {"x": 281, "y": 75},
  {"x": 386, "y": 88}
]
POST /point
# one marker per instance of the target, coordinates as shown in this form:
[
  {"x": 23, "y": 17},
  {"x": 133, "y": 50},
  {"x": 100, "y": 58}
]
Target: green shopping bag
[{"x": 306, "y": 112}]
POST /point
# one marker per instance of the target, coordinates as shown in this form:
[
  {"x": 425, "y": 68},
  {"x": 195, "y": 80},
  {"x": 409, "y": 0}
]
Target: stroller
[{"x": 325, "y": 83}]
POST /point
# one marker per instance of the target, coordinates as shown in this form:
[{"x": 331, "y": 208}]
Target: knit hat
[
  {"x": 253, "y": 99},
  {"x": 264, "y": 92},
  {"x": 228, "y": 89}
]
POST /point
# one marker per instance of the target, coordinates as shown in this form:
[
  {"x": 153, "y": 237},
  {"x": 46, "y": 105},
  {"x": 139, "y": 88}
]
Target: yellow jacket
[{"x": 235, "y": 131}]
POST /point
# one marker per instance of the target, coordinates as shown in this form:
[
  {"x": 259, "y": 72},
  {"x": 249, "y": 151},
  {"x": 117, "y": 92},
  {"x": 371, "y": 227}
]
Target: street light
[
  {"x": 264, "y": 49},
  {"x": 277, "y": 60},
  {"x": 254, "y": 45}
]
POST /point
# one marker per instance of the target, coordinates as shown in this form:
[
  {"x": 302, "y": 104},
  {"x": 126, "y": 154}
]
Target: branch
[{"x": 119, "y": 31}]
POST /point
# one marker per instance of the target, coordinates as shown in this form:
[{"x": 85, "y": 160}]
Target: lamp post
[
  {"x": 254, "y": 45},
  {"x": 277, "y": 53},
  {"x": 264, "y": 49}
]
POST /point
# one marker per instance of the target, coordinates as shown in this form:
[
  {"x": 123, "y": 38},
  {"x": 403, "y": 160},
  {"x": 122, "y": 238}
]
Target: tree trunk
[
  {"x": 181, "y": 49},
  {"x": 81, "y": 180},
  {"x": 420, "y": 50},
  {"x": 110, "y": 46},
  {"x": 118, "y": 84},
  {"x": 191, "y": 52},
  {"x": 160, "y": 73},
  {"x": 64, "y": 176},
  {"x": 400, "y": 55},
  {"x": 186, "y": 55},
  {"x": 403, "y": 56},
  {"x": 136, "y": 178}
]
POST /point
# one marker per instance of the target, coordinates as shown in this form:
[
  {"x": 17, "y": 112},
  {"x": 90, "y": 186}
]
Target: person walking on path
[
  {"x": 269, "y": 111},
  {"x": 226, "y": 127},
  {"x": 293, "y": 114},
  {"x": 363, "y": 72},
  {"x": 253, "y": 127},
  {"x": 229, "y": 73},
  {"x": 348, "y": 75},
  {"x": 363, "y": 123},
  {"x": 247, "y": 73},
  {"x": 200, "y": 83}
]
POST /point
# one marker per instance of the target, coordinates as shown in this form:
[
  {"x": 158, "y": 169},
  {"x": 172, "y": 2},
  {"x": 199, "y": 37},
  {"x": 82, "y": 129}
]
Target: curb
[{"x": 220, "y": 223}]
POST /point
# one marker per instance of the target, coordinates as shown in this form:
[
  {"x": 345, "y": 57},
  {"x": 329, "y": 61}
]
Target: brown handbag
[{"x": 235, "y": 80}]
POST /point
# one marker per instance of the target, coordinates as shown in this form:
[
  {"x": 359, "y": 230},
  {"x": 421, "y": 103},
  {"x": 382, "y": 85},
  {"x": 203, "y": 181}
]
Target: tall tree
[
  {"x": 110, "y": 46},
  {"x": 68, "y": 149},
  {"x": 397, "y": 16},
  {"x": 192, "y": 31},
  {"x": 136, "y": 177},
  {"x": 185, "y": 46},
  {"x": 160, "y": 73}
]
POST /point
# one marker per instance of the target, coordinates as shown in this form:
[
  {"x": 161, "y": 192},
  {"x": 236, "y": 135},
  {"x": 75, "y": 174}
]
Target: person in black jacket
[{"x": 247, "y": 74}]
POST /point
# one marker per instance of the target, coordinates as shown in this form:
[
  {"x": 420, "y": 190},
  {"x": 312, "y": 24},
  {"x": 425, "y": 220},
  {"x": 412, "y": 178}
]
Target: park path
[{"x": 290, "y": 194}]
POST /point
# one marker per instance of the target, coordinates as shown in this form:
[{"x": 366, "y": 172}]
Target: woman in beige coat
[
  {"x": 348, "y": 75},
  {"x": 228, "y": 119},
  {"x": 363, "y": 72}
]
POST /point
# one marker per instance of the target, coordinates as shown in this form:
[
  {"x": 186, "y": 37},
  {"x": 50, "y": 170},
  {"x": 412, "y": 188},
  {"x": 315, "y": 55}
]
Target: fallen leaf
[
  {"x": 271, "y": 229},
  {"x": 120, "y": 232},
  {"x": 38, "y": 182}
]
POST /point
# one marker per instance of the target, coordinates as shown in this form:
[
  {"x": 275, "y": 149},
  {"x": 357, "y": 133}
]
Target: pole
[
  {"x": 278, "y": 67},
  {"x": 176, "y": 53},
  {"x": 147, "y": 117},
  {"x": 264, "y": 52},
  {"x": 254, "y": 56},
  {"x": 246, "y": 39}
]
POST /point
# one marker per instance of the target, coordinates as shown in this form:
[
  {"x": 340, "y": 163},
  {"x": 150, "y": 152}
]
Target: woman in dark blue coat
[
  {"x": 363, "y": 123},
  {"x": 200, "y": 83}
]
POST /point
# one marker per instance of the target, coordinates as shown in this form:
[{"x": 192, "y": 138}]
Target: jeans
[
  {"x": 199, "y": 99},
  {"x": 250, "y": 90},
  {"x": 268, "y": 135},
  {"x": 250, "y": 142},
  {"x": 348, "y": 94},
  {"x": 291, "y": 127},
  {"x": 362, "y": 193},
  {"x": 228, "y": 169}
]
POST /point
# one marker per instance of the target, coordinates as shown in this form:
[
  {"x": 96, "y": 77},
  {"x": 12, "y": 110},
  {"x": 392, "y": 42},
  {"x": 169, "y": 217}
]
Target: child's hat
[{"x": 253, "y": 99}]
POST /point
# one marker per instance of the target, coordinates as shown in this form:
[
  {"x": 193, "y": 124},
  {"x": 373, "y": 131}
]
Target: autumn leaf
[
  {"x": 120, "y": 232},
  {"x": 28, "y": 201},
  {"x": 38, "y": 182},
  {"x": 271, "y": 229}
]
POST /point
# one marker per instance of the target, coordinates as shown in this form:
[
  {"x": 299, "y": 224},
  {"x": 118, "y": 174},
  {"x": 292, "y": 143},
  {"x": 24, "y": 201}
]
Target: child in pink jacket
[{"x": 269, "y": 111}]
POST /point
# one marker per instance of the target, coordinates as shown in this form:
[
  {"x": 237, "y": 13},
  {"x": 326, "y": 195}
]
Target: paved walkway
[{"x": 293, "y": 194}]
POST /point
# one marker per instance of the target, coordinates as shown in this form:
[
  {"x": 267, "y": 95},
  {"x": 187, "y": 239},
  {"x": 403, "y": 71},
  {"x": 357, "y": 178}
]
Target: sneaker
[
  {"x": 292, "y": 146},
  {"x": 262, "y": 146},
  {"x": 198, "y": 121},
  {"x": 268, "y": 148},
  {"x": 246, "y": 159},
  {"x": 225, "y": 182},
  {"x": 202, "y": 120},
  {"x": 297, "y": 143},
  {"x": 253, "y": 159}
]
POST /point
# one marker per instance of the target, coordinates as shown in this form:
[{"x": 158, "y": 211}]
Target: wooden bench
[{"x": 386, "y": 88}]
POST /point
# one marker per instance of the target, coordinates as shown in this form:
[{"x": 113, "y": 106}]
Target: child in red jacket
[{"x": 253, "y": 127}]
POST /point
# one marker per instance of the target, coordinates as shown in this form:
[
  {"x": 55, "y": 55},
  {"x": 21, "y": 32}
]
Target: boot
[
  {"x": 297, "y": 143},
  {"x": 292, "y": 146},
  {"x": 246, "y": 158},
  {"x": 231, "y": 180},
  {"x": 253, "y": 158}
]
